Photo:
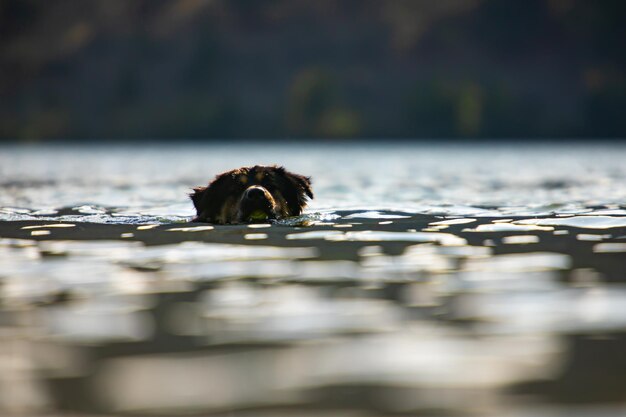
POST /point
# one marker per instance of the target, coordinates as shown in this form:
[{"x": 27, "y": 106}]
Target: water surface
[
  {"x": 447, "y": 279},
  {"x": 115, "y": 182}
]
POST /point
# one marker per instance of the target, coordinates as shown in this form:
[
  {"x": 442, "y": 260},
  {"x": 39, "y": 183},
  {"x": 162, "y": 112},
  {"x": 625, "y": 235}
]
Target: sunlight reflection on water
[{"x": 127, "y": 181}]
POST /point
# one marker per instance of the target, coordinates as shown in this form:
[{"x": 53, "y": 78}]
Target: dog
[{"x": 252, "y": 195}]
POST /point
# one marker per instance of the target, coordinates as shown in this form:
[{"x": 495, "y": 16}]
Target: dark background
[{"x": 286, "y": 69}]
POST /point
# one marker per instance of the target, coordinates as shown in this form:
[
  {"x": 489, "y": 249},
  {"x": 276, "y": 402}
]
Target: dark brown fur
[{"x": 234, "y": 196}]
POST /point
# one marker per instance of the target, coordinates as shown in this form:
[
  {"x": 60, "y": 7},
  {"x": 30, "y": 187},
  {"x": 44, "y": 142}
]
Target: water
[
  {"x": 422, "y": 279},
  {"x": 114, "y": 183}
]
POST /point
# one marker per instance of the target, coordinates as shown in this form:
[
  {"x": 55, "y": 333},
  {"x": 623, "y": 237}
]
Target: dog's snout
[{"x": 255, "y": 193}]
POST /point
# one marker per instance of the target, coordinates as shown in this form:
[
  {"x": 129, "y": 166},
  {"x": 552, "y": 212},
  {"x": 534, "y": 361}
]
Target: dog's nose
[{"x": 255, "y": 193}]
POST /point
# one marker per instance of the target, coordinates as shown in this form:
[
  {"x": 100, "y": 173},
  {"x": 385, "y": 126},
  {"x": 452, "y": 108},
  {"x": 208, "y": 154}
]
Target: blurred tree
[
  {"x": 327, "y": 68},
  {"x": 315, "y": 107}
]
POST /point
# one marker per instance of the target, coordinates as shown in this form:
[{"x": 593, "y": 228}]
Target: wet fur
[{"x": 221, "y": 202}]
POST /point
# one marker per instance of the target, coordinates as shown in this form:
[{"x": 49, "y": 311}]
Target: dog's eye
[
  {"x": 260, "y": 176},
  {"x": 243, "y": 179}
]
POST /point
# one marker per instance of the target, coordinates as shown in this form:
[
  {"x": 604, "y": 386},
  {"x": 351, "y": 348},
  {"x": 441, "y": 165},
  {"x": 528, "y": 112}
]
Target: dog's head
[{"x": 252, "y": 194}]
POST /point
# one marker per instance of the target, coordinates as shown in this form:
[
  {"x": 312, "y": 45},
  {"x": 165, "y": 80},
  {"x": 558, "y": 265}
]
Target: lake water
[
  {"x": 152, "y": 180},
  {"x": 431, "y": 279}
]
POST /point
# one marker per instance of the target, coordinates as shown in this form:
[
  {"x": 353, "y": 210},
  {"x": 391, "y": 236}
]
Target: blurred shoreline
[{"x": 224, "y": 69}]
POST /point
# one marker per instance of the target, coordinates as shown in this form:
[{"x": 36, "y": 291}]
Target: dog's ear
[
  {"x": 197, "y": 196},
  {"x": 209, "y": 200},
  {"x": 296, "y": 191},
  {"x": 304, "y": 183},
  {"x": 199, "y": 200}
]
